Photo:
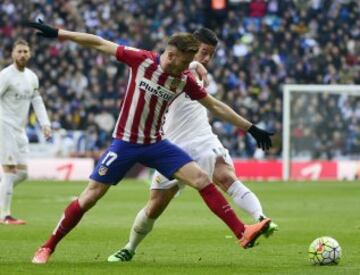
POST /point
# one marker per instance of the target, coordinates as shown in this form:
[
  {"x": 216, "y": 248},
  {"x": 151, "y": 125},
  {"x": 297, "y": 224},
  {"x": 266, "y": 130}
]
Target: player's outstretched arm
[
  {"x": 83, "y": 39},
  {"x": 223, "y": 111}
]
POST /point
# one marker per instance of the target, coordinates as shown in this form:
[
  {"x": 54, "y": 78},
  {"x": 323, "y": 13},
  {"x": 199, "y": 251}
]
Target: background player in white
[
  {"x": 19, "y": 87},
  {"x": 187, "y": 126}
]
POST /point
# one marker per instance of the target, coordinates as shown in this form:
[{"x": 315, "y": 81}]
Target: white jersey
[
  {"x": 186, "y": 121},
  {"x": 17, "y": 90},
  {"x": 187, "y": 125}
]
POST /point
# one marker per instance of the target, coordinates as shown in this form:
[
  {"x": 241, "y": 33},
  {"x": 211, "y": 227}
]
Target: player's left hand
[
  {"x": 261, "y": 136},
  {"x": 203, "y": 74},
  {"x": 47, "y": 132},
  {"x": 44, "y": 29}
]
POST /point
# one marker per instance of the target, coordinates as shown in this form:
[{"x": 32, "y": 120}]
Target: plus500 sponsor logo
[{"x": 156, "y": 89}]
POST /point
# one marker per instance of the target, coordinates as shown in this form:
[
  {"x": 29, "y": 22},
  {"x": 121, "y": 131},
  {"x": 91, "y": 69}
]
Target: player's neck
[{"x": 19, "y": 67}]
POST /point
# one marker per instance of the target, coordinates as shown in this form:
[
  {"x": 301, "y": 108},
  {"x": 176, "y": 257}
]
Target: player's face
[
  {"x": 179, "y": 62},
  {"x": 205, "y": 54},
  {"x": 21, "y": 55}
]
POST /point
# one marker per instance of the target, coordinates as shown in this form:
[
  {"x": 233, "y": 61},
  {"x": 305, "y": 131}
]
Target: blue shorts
[{"x": 163, "y": 156}]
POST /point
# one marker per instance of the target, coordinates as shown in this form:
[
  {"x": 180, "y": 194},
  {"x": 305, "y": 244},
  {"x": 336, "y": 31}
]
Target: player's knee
[
  {"x": 23, "y": 175},
  {"x": 9, "y": 169},
  {"x": 224, "y": 179},
  {"x": 201, "y": 180},
  {"x": 87, "y": 201}
]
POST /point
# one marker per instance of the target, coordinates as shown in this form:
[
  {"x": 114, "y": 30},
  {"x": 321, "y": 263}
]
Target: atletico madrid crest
[{"x": 102, "y": 170}]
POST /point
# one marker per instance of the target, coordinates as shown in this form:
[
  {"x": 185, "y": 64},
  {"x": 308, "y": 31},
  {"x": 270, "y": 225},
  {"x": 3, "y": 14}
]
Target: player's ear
[{"x": 30, "y": 53}]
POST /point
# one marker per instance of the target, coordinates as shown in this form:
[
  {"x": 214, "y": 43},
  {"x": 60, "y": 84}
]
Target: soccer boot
[
  {"x": 12, "y": 220},
  {"x": 252, "y": 232},
  {"x": 271, "y": 229},
  {"x": 42, "y": 255},
  {"x": 123, "y": 255}
]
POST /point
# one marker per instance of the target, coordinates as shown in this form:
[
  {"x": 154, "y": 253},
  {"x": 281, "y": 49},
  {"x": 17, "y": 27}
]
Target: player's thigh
[
  {"x": 159, "y": 200},
  {"x": 191, "y": 174},
  {"x": 206, "y": 160},
  {"x": 115, "y": 162},
  {"x": 21, "y": 167},
  {"x": 9, "y": 168},
  {"x": 23, "y": 150},
  {"x": 8, "y": 146},
  {"x": 165, "y": 157}
]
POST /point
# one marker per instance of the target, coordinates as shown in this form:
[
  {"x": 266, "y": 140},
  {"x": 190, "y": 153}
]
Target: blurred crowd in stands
[{"x": 264, "y": 44}]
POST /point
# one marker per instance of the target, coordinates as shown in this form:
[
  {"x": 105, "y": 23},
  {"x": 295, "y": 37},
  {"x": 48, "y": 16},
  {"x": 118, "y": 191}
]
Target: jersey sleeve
[
  {"x": 194, "y": 89},
  {"x": 132, "y": 56},
  {"x": 36, "y": 86},
  {"x": 3, "y": 83}
]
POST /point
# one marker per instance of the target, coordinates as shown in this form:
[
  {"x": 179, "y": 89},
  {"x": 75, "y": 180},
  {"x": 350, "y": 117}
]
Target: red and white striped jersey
[{"x": 148, "y": 94}]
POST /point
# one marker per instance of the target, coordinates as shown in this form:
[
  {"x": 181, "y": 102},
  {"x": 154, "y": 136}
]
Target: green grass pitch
[{"x": 187, "y": 239}]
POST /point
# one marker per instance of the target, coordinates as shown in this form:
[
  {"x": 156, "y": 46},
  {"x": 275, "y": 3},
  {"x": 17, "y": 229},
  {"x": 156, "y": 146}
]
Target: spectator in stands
[{"x": 264, "y": 44}]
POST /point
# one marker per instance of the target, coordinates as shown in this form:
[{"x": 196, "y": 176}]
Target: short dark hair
[
  {"x": 20, "y": 42},
  {"x": 206, "y": 36},
  {"x": 184, "y": 42}
]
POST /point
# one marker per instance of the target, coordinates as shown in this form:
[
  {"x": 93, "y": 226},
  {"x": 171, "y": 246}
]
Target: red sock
[
  {"x": 72, "y": 215},
  {"x": 218, "y": 204}
]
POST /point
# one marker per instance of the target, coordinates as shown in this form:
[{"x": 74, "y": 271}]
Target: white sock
[
  {"x": 20, "y": 176},
  {"x": 245, "y": 199},
  {"x": 141, "y": 227},
  {"x": 6, "y": 192}
]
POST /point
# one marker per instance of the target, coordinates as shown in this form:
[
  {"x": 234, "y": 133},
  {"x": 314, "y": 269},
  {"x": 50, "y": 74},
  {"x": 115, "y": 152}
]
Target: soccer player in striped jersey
[
  {"x": 19, "y": 88},
  {"x": 155, "y": 81},
  {"x": 187, "y": 125}
]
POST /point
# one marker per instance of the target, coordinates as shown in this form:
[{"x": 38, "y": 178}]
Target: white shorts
[
  {"x": 14, "y": 146},
  {"x": 205, "y": 155}
]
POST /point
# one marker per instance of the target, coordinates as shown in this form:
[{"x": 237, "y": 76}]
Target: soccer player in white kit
[
  {"x": 187, "y": 125},
  {"x": 19, "y": 87}
]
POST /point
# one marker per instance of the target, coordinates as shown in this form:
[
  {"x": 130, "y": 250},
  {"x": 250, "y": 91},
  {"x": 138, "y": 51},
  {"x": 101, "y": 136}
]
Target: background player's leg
[
  {"x": 6, "y": 191},
  {"x": 21, "y": 174},
  {"x": 224, "y": 176}
]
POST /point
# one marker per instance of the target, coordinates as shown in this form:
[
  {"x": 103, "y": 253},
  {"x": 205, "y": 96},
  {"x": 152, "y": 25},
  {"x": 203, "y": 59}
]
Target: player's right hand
[{"x": 44, "y": 30}]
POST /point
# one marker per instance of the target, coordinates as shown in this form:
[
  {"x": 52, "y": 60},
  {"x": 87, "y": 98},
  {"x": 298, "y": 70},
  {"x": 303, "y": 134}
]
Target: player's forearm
[
  {"x": 40, "y": 111},
  {"x": 225, "y": 113},
  {"x": 83, "y": 39},
  {"x": 90, "y": 41}
]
